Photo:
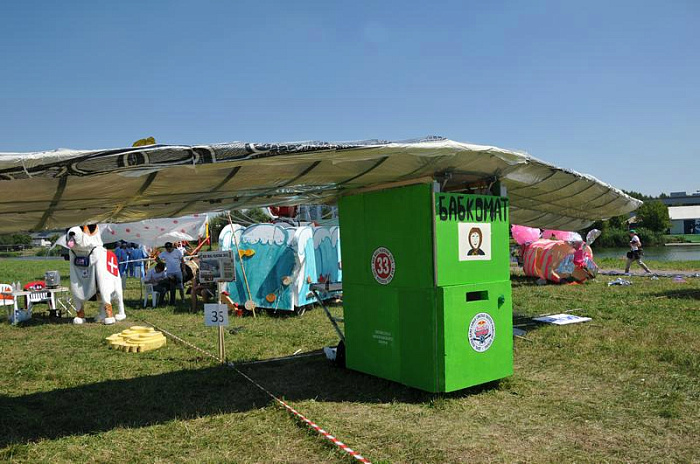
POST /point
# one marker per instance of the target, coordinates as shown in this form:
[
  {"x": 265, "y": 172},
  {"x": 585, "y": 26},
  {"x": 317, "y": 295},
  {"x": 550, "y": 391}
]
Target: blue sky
[{"x": 606, "y": 88}]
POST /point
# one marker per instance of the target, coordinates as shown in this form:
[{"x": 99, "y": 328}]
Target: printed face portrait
[
  {"x": 475, "y": 238},
  {"x": 474, "y": 241}
]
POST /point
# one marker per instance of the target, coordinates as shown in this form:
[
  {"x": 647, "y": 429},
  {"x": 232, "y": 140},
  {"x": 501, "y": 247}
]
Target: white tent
[
  {"x": 155, "y": 232},
  {"x": 152, "y": 233},
  {"x": 60, "y": 188}
]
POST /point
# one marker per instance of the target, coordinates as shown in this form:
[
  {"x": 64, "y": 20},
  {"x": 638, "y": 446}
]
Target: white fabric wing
[{"x": 48, "y": 190}]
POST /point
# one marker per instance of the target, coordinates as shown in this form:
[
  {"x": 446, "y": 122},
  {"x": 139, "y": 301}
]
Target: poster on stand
[{"x": 216, "y": 266}]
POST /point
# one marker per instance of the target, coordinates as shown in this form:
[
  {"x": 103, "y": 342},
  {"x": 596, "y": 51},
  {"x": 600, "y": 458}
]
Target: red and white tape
[
  {"x": 296, "y": 413},
  {"x": 311, "y": 424},
  {"x": 325, "y": 434}
]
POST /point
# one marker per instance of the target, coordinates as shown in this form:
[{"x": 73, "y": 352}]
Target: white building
[
  {"x": 684, "y": 219},
  {"x": 42, "y": 239}
]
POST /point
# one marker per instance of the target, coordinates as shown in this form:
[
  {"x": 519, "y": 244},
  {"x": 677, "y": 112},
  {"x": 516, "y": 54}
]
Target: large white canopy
[{"x": 62, "y": 188}]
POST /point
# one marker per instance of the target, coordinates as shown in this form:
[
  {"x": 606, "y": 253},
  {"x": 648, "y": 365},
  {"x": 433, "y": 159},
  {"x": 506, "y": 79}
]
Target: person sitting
[
  {"x": 157, "y": 277},
  {"x": 173, "y": 259}
]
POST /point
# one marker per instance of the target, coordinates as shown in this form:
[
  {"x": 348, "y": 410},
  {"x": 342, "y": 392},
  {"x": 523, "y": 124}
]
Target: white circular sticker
[
  {"x": 383, "y": 265},
  {"x": 482, "y": 331}
]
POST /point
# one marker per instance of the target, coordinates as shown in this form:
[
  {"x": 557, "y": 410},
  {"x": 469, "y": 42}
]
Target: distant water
[{"x": 664, "y": 253}]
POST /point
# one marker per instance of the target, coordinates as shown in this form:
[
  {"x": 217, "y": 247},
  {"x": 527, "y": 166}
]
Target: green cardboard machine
[{"x": 427, "y": 298}]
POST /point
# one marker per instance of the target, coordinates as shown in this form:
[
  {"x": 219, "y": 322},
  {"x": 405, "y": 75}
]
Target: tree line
[{"x": 651, "y": 221}]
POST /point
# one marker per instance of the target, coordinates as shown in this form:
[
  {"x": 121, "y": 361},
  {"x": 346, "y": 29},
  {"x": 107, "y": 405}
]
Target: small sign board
[
  {"x": 216, "y": 266},
  {"x": 215, "y": 315},
  {"x": 383, "y": 265},
  {"x": 561, "y": 319}
]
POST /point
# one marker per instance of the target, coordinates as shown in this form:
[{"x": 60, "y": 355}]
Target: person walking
[{"x": 635, "y": 253}]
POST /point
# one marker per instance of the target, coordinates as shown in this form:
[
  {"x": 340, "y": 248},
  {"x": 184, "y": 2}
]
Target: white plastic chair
[{"x": 149, "y": 291}]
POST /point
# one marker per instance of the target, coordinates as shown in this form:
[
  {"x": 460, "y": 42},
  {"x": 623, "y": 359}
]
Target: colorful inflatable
[{"x": 553, "y": 259}]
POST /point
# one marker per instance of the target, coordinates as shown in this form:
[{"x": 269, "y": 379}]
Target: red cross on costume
[{"x": 112, "y": 263}]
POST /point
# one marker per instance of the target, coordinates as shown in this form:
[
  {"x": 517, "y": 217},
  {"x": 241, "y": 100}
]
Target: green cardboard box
[{"x": 426, "y": 287}]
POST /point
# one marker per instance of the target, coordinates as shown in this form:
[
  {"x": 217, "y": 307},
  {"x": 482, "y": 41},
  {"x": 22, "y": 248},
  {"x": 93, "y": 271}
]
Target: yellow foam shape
[
  {"x": 137, "y": 336},
  {"x": 151, "y": 346},
  {"x": 136, "y": 340},
  {"x": 139, "y": 328},
  {"x": 136, "y": 330}
]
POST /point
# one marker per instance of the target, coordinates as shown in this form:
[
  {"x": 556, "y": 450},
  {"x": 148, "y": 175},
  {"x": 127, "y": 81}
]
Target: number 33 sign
[
  {"x": 215, "y": 315},
  {"x": 383, "y": 265}
]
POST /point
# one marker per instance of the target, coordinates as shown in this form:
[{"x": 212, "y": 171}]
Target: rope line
[{"x": 277, "y": 400}]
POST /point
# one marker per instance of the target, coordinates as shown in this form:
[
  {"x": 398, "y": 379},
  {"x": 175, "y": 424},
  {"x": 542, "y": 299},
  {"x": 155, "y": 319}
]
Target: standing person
[
  {"x": 122, "y": 258},
  {"x": 173, "y": 259},
  {"x": 130, "y": 264},
  {"x": 182, "y": 248},
  {"x": 635, "y": 253},
  {"x": 137, "y": 256}
]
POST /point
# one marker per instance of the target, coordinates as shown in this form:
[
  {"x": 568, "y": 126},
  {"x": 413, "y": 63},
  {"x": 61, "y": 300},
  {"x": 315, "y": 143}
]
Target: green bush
[
  {"x": 619, "y": 238},
  {"x": 649, "y": 237},
  {"x": 49, "y": 252},
  {"x": 613, "y": 238},
  {"x": 654, "y": 216}
]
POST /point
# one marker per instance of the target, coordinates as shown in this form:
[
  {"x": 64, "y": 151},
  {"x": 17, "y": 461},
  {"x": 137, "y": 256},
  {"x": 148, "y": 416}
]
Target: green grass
[
  {"x": 619, "y": 263},
  {"x": 622, "y": 388},
  {"x": 682, "y": 238}
]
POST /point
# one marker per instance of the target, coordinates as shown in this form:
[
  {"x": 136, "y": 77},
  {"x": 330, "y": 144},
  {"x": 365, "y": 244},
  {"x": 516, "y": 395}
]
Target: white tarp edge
[{"x": 49, "y": 190}]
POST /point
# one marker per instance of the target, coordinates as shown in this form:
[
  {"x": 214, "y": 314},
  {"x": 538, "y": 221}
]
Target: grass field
[
  {"x": 622, "y": 388},
  {"x": 687, "y": 238}
]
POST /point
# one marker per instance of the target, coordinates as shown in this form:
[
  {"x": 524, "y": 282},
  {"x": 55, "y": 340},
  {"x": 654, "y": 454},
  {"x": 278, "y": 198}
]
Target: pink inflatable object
[
  {"x": 565, "y": 235},
  {"x": 557, "y": 261},
  {"x": 524, "y": 234}
]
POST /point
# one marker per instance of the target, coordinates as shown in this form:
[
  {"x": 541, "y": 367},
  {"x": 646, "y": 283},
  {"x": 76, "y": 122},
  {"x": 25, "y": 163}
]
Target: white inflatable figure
[{"x": 93, "y": 269}]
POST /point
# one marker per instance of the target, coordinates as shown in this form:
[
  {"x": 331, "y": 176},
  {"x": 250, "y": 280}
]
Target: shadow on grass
[
  {"x": 519, "y": 280},
  {"x": 681, "y": 294},
  {"x": 187, "y": 394},
  {"x": 43, "y": 318},
  {"x": 180, "y": 306},
  {"x": 526, "y": 323}
]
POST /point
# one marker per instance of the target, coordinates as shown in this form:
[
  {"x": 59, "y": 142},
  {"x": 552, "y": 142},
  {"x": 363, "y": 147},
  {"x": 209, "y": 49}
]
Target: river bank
[{"x": 686, "y": 252}]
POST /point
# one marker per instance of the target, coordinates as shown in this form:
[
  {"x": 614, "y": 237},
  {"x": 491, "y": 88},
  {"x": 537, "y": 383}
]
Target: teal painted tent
[
  {"x": 278, "y": 261},
  {"x": 327, "y": 254}
]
